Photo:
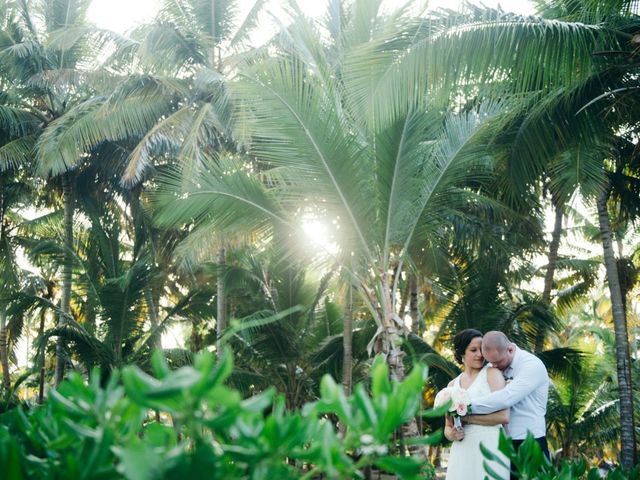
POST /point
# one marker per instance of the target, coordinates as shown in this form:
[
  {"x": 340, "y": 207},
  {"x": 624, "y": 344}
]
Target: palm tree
[
  {"x": 107, "y": 327},
  {"x": 171, "y": 102},
  {"x": 283, "y": 353},
  {"x": 18, "y": 127},
  {"x": 552, "y": 261},
  {"x": 42, "y": 73},
  {"x": 8, "y": 274},
  {"x": 387, "y": 178},
  {"x": 578, "y": 416},
  {"x": 215, "y": 34},
  {"x": 579, "y": 135},
  {"x": 623, "y": 356}
]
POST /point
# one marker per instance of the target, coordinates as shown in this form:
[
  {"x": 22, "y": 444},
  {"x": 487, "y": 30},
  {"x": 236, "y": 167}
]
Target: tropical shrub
[
  {"x": 204, "y": 429},
  {"x": 528, "y": 462}
]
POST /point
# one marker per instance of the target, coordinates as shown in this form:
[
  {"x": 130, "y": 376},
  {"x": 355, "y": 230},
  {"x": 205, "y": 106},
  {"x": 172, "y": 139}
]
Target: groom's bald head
[
  {"x": 497, "y": 349},
  {"x": 495, "y": 340}
]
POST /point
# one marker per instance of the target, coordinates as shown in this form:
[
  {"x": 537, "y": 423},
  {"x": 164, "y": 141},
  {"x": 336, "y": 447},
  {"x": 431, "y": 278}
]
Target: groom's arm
[
  {"x": 533, "y": 375},
  {"x": 501, "y": 417}
]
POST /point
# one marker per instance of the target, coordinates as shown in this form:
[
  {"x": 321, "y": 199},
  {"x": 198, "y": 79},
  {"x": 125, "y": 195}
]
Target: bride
[{"x": 465, "y": 458}]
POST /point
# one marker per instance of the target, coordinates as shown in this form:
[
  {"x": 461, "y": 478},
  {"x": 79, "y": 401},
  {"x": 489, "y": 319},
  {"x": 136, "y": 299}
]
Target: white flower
[
  {"x": 461, "y": 409},
  {"x": 460, "y": 396},
  {"x": 366, "y": 439}
]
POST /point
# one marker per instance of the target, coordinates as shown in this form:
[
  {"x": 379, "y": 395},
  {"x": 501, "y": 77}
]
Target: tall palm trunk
[
  {"x": 388, "y": 341},
  {"x": 153, "y": 316},
  {"x": 627, "y": 427},
  {"x": 43, "y": 315},
  {"x": 43, "y": 361},
  {"x": 221, "y": 319},
  {"x": 552, "y": 260},
  {"x": 404, "y": 300},
  {"x": 4, "y": 350},
  {"x": 4, "y": 354},
  {"x": 67, "y": 270},
  {"x": 392, "y": 333},
  {"x": 150, "y": 299},
  {"x": 414, "y": 313},
  {"x": 347, "y": 343}
]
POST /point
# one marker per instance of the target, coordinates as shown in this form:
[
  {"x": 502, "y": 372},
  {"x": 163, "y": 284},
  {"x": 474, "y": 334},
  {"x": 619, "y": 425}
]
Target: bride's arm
[
  {"x": 496, "y": 382},
  {"x": 450, "y": 432}
]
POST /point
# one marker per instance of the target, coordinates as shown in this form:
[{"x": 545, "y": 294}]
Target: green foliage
[
  {"x": 528, "y": 462},
  {"x": 86, "y": 430}
]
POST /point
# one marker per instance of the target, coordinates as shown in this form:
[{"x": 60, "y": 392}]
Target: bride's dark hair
[{"x": 462, "y": 340}]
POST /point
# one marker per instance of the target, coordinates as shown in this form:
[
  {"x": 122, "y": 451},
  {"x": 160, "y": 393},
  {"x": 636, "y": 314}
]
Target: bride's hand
[
  {"x": 458, "y": 434},
  {"x": 453, "y": 434}
]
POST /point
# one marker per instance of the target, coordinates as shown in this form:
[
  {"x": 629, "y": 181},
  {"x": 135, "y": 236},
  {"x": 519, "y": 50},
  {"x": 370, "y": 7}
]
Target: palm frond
[
  {"x": 213, "y": 201},
  {"x": 91, "y": 350},
  {"x": 248, "y": 25},
  {"x": 16, "y": 121},
  {"x": 565, "y": 362},
  {"x": 302, "y": 128},
  {"x": 67, "y": 140},
  {"x": 402, "y": 154},
  {"x": 549, "y": 52},
  {"x": 167, "y": 48},
  {"x": 68, "y": 38},
  {"x": 63, "y": 13},
  {"x": 120, "y": 299},
  {"x": 531, "y": 319},
  {"x": 458, "y": 151},
  {"x": 16, "y": 153}
]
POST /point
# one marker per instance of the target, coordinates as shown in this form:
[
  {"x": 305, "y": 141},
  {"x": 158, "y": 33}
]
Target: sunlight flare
[{"x": 318, "y": 233}]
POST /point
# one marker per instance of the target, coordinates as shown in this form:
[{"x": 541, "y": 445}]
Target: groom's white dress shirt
[{"x": 526, "y": 393}]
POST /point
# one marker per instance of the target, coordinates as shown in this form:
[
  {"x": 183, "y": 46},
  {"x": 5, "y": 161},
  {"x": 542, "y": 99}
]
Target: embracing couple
[{"x": 510, "y": 392}]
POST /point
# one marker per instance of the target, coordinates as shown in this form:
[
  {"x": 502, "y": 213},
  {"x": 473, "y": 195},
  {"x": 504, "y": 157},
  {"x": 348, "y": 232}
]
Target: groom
[{"x": 525, "y": 394}]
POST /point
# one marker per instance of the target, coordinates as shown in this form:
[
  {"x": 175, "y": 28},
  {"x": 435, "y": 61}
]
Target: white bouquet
[{"x": 460, "y": 403}]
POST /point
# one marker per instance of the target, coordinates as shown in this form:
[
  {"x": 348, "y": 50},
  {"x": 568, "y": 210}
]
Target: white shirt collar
[{"x": 516, "y": 358}]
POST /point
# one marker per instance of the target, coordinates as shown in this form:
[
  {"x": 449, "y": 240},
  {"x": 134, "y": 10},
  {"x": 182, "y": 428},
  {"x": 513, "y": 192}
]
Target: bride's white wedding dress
[{"x": 466, "y": 459}]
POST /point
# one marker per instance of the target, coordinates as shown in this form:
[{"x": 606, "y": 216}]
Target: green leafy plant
[
  {"x": 207, "y": 430},
  {"x": 528, "y": 462}
]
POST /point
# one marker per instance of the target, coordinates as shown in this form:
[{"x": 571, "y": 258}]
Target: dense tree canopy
[{"x": 164, "y": 183}]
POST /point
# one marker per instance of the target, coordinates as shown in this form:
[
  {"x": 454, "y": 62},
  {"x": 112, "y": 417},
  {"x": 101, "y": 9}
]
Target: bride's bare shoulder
[{"x": 494, "y": 373}]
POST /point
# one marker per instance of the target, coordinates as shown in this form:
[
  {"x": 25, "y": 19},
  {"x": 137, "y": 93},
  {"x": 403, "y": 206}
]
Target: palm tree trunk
[
  {"x": 42, "y": 363},
  {"x": 627, "y": 427},
  {"x": 4, "y": 351},
  {"x": 138, "y": 217},
  {"x": 221, "y": 320},
  {"x": 347, "y": 344},
  {"x": 67, "y": 269},
  {"x": 414, "y": 313},
  {"x": 552, "y": 260},
  {"x": 4, "y": 354},
  {"x": 388, "y": 343},
  {"x": 404, "y": 299},
  {"x": 153, "y": 316},
  {"x": 43, "y": 316},
  {"x": 392, "y": 334}
]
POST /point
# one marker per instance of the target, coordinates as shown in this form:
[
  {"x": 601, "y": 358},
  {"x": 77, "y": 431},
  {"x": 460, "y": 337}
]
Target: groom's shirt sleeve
[{"x": 530, "y": 376}]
